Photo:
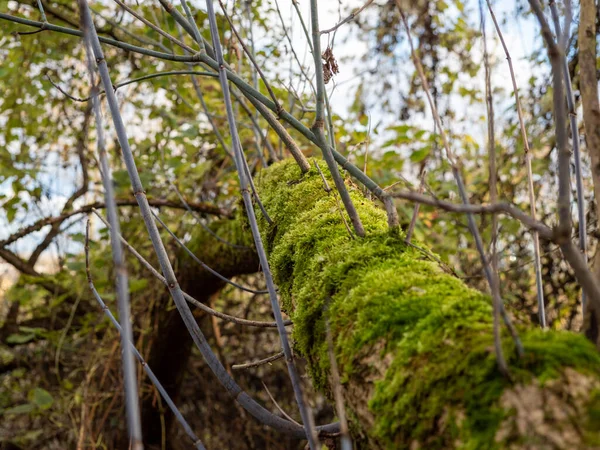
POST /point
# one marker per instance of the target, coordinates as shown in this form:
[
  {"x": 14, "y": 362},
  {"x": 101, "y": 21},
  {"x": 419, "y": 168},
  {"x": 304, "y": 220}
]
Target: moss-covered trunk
[{"x": 413, "y": 343}]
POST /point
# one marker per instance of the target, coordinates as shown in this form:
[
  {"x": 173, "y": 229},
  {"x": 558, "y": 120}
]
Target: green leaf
[
  {"x": 21, "y": 409},
  {"x": 40, "y": 398},
  {"x": 78, "y": 237},
  {"x": 6, "y": 356},
  {"x": 35, "y": 330},
  {"x": 76, "y": 266},
  {"x": 121, "y": 178},
  {"x": 419, "y": 155},
  {"x": 419, "y": 134},
  {"x": 20, "y": 338}
]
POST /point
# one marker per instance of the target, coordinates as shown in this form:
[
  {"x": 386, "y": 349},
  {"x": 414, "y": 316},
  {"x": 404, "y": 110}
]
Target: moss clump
[{"x": 414, "y": 344}]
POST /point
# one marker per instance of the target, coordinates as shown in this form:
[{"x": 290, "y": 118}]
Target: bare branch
[
  {"x": 189, "y": 298},
  {"x": 260, "y": 362},
  {"x": 319, "y": 123},
  {"x": 121, "y": 279},
  {"x": 281, "y": 410},
  {"x": 154, "y": 27},
  {"x": 505, "y": 208},
  {"x": 530, "y": 190},
  {"x": 204, "y": 208},
  {"x": 250, "y": 57},
  {"x": 348, "y": 19},
  {"x": 80, "y": 149},
  {"x": 338, "y": 392},
  {"x": 134, "y": 80},
  {"x": 205, "y": 266},
  {"x": 330, "y": 191},
  {"x": 563, "y": 37}
]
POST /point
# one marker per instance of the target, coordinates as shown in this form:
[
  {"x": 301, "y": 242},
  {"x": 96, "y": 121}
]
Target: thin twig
[
  {"x": 134, "y": 80},
  {"x": 283, "y": 134},
  {"x": 192, "y": 22},
  {"x": 41, "y": 223},
  {"x": 260, "y": 362},
  {"x": 337, "y": 202},
  {"x": 199, "y": 221},
  {"x": 42, "y": 13},
  {"x": 154, "y": 27},
  {"x": 352, "y": 16},
  {"x": 204, "y": 265},
  {"x": 277, "y": 405},
  {"x": 292, "y": 49},
  {"x": 43, "y": 26},
  {"x": 338, "y": 392},
  {"x": 250, "y": 56},
  {"x": 319, "y": 123},
  {"x": 415, "y": 214},
  {"x": 530, "y": 189},
  {"x": 493, "y": 179},
  {"x": 143, "y": 40}
]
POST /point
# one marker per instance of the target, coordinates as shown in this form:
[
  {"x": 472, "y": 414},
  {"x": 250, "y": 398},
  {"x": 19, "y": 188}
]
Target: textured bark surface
[
  {"x": 591, "y": 119},
  {"x": 414, "y": 344}
]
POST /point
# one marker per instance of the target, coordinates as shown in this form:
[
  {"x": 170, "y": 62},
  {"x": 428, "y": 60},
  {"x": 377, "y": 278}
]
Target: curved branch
[
  {"x": 80, "y": 150},
  {"x": 134, "y": 80},
  {"x": 204, "y": 208},
  {"x": 506, "y": 208}
]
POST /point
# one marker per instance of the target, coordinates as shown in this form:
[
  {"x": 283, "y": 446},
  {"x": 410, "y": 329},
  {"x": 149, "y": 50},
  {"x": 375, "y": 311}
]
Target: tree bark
[{"x": 591, "y": 119}]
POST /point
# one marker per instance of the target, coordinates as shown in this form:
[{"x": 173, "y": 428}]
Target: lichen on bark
[{"x": 414, "y": 344}]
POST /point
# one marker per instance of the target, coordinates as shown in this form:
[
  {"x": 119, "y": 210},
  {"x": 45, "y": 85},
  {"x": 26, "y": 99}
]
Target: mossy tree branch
[{"x": 415, "y": 344}]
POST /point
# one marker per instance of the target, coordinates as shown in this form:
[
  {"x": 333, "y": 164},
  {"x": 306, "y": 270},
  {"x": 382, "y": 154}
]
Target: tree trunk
[
  {"x": 172, "y": 345},
  {"x": 591, "y": 119},
  {"x": 414, "y": 344}
]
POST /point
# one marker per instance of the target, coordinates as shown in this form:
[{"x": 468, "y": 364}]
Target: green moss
[
  {"x": 432, "y": 333},
  {"x": 593, "y": 422}
]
